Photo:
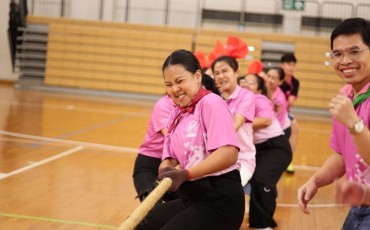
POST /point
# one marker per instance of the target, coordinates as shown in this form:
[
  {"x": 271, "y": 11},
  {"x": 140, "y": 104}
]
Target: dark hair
[
  {"x": 280, "y": 72},
  {"x": 229, "y": 60},
  {"x": 352, "y": 26},
  {"x": 288, "y": 57},
  {"x": 191, "y": 64},
  {"x": 184, "y": 58},
  {"x": 260, "y": 84},
  {"x": 239, "y": 79},
  {"x": 210, "y": 83}
]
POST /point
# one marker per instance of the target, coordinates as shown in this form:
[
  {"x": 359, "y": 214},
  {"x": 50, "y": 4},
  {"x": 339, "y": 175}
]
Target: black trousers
[
  {"x": 145, "y": 177},
  {"x": 215, "y": 203},
  {"x": 288, "y": 132},
  {"x": 272, "y": 159}
]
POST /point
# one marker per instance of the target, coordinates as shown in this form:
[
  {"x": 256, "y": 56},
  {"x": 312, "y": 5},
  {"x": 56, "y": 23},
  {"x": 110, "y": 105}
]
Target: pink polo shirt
[
  {"x": 342, "y": 142},
  {"x": 278, "y": 98},
  {"x": 265, "y": 109},
  {"x": 242, "y": 102},
  {"x": 198, "y": 134},
  {"x": 154, "y": 139}
]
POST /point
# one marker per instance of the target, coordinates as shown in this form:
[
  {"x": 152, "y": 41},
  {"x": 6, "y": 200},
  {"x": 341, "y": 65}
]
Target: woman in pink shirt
[
  {"x": 273, "y": 155},
  {"x": 241, "y": 104},
  {"x": 150, "y": 152},
  {"x": 200, "y": 155},
  {"x": 275, "y": 77}
]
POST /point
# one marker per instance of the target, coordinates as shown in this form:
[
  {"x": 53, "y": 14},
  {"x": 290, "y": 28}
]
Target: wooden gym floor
[{"x": 66, "y": 163}]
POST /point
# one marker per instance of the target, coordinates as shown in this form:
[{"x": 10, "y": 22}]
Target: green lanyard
[{"x": 360, "y": 98}]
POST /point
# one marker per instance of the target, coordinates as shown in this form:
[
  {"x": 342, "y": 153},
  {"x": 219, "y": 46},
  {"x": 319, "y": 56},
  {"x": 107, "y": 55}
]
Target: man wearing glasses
[{"x": 350, "y": 109}]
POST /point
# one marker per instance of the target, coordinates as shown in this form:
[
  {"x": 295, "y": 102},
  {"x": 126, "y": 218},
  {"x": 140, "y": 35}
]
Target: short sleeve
[
  {"x": 246, "y": 107},
  {"x": 161, "y": 112},
  {"x": 219, "y": 124},
  {"x": 333, "y": 138},
  {"x": 264, "y": 107},
  {"x": 295, "y": 89}
]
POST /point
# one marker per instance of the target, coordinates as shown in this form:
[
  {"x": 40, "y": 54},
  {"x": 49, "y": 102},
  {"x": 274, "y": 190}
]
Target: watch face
[{"x": 359, "y": 126}]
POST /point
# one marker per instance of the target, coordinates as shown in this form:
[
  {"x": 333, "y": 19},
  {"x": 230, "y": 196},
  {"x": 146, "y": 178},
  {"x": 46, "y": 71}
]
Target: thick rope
[{"x": 140, "y": 212}]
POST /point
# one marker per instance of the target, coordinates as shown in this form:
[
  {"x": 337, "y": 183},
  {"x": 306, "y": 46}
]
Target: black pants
[
  {"x": 288, "y": 132},
  {"x": 215, "y": 203},
  {"x": 272, "y": 159},
  {"x": 145, "y": 177}
]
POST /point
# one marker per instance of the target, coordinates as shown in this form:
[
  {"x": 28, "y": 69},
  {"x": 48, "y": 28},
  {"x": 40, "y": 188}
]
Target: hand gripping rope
[{"x": 142, "y": 210}]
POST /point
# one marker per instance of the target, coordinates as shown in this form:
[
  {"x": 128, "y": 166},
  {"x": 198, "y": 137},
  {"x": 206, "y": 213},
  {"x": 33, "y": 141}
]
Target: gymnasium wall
[
  {"x": 6, "y": 72},
  {"x": 184, "y": 13},
  {"x": 127, "y": 57}
]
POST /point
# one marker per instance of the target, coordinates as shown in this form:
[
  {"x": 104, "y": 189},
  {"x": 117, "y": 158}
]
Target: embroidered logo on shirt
[
  {"x": 192, "y": 129},
  {"x": 196, "y": 155},
  {"x": 362, "y": 170}
]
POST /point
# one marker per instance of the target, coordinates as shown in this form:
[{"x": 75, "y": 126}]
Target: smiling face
[
  {"x": 181, "y": 85},
  {"x": 251, "y": 83},
  {"x": 226, "y": 77},
  {"x": 352, "y": 71},
  {"x": 273, "y": 79}
]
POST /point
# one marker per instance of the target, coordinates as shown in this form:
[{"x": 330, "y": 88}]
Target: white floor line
[
  {"x": 308, "y": 168},
  {"x": 24, "y": 141},
  {"x": 78, "y": 143},
  {"x": 36, "y": 164}
]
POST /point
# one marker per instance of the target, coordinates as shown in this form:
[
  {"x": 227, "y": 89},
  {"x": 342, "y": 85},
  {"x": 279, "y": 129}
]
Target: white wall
[
  {"x": 85, "y": 9},
  {"x": 5, "y": 60}
]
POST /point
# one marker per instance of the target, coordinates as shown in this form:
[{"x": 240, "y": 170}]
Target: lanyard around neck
[{"x": 361, "y": 98}]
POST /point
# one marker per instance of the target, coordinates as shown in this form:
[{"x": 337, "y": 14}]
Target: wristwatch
[{"x": 357, "y": 127}]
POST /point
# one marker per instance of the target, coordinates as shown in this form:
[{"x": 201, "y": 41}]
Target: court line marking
[
  {"x": 302, "y": 167},
  {"x": 79, "y": 143},
  {"x": 28, "y": 141},
  {"x": 42, "y": 162},
  {"x": 306, "y": 167},
  {"x": 54, "y": 220}
]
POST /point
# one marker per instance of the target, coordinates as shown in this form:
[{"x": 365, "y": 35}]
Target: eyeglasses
[{"x": 352, "y": 53}]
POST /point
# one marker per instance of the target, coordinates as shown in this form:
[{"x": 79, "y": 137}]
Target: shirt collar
[
  {"x": 347, "y": 90},
  {"x": 235, "y": 94}
]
